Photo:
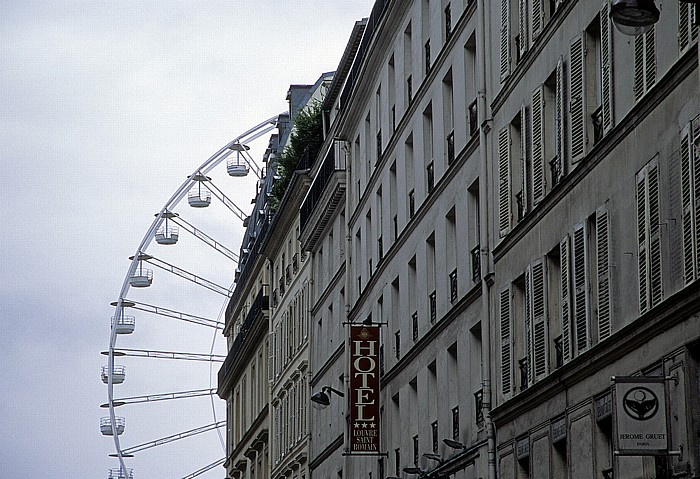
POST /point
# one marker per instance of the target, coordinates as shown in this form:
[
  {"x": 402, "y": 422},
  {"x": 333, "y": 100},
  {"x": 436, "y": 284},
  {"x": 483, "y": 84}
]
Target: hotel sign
[
  {"x": 364, "y": 390},
  {"x": 641, "y": 417}
]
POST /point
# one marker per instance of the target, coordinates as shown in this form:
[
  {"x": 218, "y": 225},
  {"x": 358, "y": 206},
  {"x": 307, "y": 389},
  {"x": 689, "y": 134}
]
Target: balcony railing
[
  {"x": 432, "y": 300},
  {"x": 379, "y": 146},
  {"x": 455, "y": 423},
  {"x": 323, "y": 177},
  {"x": 473, "y": 119},
  {"x": 414, "y": 325},
  {"x": 288, "y": 273},
  {"x": 431, "y": 176},
  {"x": 479, "y": 406},
  {"x": 450, "y": 148},
  {"x": 411, "y": 203},
  {"x": 476, "y": 263},
  {"x": 453, "y": 286},
  {"x": 523, "y": 366},
  {"x": 597, "y": 119},
  {"x": 555, "y": 170},
  {"x": 520, "y": 201},
  {"x": 281, "y": 286},
  {"x": 295, "y": 263},
  {"x": 558, "y": 347}
]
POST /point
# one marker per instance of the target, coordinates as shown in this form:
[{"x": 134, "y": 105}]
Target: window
[
  {"x": 644, "y": 63},
  {"x": 448, "y": 22},
  {"x": 408, "y": 62},
  {"x": 690, "y": 198},
  {"x": 687, "y": 30},
  {"x": 649, "y": 237},
  {"x": 512, "y": 172}
]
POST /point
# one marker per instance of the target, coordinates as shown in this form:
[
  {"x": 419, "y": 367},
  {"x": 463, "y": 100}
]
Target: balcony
[
  {"x": 255, "y": 314},
  {"x": 322, "y": 200}
]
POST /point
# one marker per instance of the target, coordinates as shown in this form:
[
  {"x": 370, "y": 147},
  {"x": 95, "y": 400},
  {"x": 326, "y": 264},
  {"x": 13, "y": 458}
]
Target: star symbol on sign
[
  {"x": 357, "y": 425},
  {"x": 364, "y": 424},
  {"x": 372, "y": 425}
]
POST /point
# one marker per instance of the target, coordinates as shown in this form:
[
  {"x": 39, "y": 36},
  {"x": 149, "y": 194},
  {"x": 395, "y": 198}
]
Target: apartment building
[{"x": 520, "y": 218}]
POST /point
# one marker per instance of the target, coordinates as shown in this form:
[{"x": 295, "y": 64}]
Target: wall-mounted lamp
[
  {"x": 454, "y": 444},
  {"x": 434, "y": 457},
  {"x": 634, "y": 17},
  {"x": 320, "y": 400}
]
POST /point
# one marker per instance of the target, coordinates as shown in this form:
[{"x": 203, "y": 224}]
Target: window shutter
[
  {"x": 688, "y": 203},
  {"x": 654, "y": 225},
  {"x": 577, "y": 112},
  {"x": 560, "y": 114},
  {"x": 684, "y": 26},
  {"x": 505, "y": 39},
  {"x": 650, "y": 58},
  {"x": 522, "y": 27},
  {"x": 602, "y": 232},
  {"x": 580, "y": 287},
  {"x": 528, "y": 324},
  {"x": 537, "y": 18},
  {"x": 540, "y": 329},
  {"x": 565, "y": 299},
  {"x": 538, "y": 176},
  {"x": 504, "y": 181},
  {"x": 642, "y": 240},
  {"x": 506, "y": 349},
  {"x": 606, "y": 68},
  {"x": 525, "y": 190},
  {"x": 694, "y": 154}
]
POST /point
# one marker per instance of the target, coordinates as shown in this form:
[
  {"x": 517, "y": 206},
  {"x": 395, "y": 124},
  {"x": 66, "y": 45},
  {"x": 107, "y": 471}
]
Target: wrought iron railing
[
  {"x": 479, "y": 406},
  {"x": 453, "y": 286},
  {"x": 450, "y": 148},
  {"x": 323, "y": 177},
  {"x": 432, "y": 300},
  {"x": 473, "y": 119},
  {"x": 476, "y": 263}
]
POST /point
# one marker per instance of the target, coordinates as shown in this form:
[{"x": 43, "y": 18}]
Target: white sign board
[{"x": 640, "y": 416}]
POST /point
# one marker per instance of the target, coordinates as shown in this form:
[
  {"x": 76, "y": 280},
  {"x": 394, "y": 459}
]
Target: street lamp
[
  {"x": 634, "y": 17},
  {"x": 320, "y": 400}
]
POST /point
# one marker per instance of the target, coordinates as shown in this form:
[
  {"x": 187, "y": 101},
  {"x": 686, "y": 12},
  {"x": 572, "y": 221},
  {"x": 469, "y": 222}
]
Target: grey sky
[{"x": 105, "y": 107}]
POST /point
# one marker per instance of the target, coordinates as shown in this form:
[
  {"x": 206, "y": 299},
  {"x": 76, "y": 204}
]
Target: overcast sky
[{"x": 105, "y": 108}]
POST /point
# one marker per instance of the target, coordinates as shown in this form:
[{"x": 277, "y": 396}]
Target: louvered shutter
[
  {"x": 537, "y": 18},
  {"x": 606, "y": 68},
  {"x": 522, "y": 27},
  {"x": 504, "y": 181},
  {"x": 650, "y": 58},
  {"x": 684, "y": 26},
  {"x": 525, "y": 190},
  {"x": 580, "y": 287},
  {"x": 506, "y": 347},
  {"x": 565, "y": 299},
  {"x": 540, "y": 329},
  {"x": 654, "y": 225},
  {"x": 528, "y": 324},
  {"x": 694, "y": 154},
  {"x": 560, "y": 114},
  {"x": 688, "y": 203},
  {"x": 505, "y": 39},
  {"x": 638, "y": 67},
  {"x": 642, "y": 260},
  {"x": 538, "y": 168},
  {"x": 577, "y": 110},
  {"x": 602, "y": 233}
]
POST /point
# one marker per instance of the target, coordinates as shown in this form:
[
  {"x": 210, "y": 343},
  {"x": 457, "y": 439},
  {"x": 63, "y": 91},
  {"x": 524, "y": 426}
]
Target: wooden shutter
[
  {"x": 505, "y": 39},
  {"x": 684, "y": 26},
  {"x": 577, "y": 110},
  {"x": 638, "y": 67},
  {"x": 579, "y": 275},
  {"x": 522, "y": 27},
  {"x": 688, "y": 203},
  {"x": 560, "y": 114},
  {"x": 506, "y": 347},
  {"x": 602, "y": 232},
  {"x": 650, "y": 58},
  {"x": 504, "y": 181},
  {"x": 538, "y": 167},
  {"x": 654, "y": 225},
  {"x": 537, "y": 18},
  {"x": 694, "y": 154},
  {"x": 525, "y": 190},
  {"x": 527, "y": 340},
  {"x": 606, "y": 68},
  {"x": 642, "y": 249},
  {"x": 540, "y": 329},
  {"x": 565, "y": 299}
]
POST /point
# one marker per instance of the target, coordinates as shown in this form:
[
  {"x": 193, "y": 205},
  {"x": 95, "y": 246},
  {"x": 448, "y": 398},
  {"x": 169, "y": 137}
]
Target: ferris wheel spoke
[
  {"x": 185, "y": 274},
  {"x": 205, "y": 468},
  {"x": 227, "y": 202},
  {"x": 129, "y": 451},
  {"x": 169, "y": 313},
  {"x": 160, "y": 397},
  {"x": 202, "y": 236},
  {"x": 147, "y": 353}
]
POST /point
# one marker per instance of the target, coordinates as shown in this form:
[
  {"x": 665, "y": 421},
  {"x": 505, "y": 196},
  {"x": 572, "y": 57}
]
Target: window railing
[
  {"x": 431, "y": 176},
  {"x": 597, "y": 118},
  {"x": 380, "y": 248},
  {"x": 275, "y": 299},
  {"x": 558, "y": 348},
  {"x": 555, "y": 170},
  {"x": 473, "y": 119},
  {"x": 281, "y": 286},
  {"x": 411, "y": 203},
  {"x": 288, "y": 273},
  {"x": 479, "y": 406},
  {"x": 434, "y": 431},
  {"x": 455, "y": 423},
  {"x": 450, "y": 148},
  {"x": 476, "y": 263},
  {"x": 523, "y": 365},
  {"x": 432, "y": 299},
  {"x": 453, "y": 286},
  {"x": 414, "y": 325},
  {"x": 397, "y": 344},
  {"x": 323, "y": 176},
  {"x": 409, "y": 89},
  {"x": 379, "y": 146},
  {"x": 448, "y": 24},
  {"x": 295, "y": 263},
  {"x": 427, "y": 57},
  {"x": 520, "y": 201}
]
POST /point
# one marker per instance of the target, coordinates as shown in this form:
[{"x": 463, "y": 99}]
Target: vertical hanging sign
[
  {"x": 364, "y": 390},
  {"x": 642, "y": 425}
]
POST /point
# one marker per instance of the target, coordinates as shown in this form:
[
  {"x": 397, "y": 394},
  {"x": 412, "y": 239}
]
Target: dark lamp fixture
[
  {"x": 434, "y": 457},
  {"x": 320, "y": 400},
  {"x": 634, "y": 17},
  {"x": 454, "y": 444},
  {"x": 694, "y": 2}
]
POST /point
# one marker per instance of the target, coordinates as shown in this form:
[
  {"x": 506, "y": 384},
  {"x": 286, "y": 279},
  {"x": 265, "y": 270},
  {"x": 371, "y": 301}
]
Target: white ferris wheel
[{"x": 181, "y": 322}]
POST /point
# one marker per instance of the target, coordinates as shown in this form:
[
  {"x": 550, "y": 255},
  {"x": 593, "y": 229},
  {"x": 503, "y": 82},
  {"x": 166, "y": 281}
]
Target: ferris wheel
[{"x": 181, "y": 322}]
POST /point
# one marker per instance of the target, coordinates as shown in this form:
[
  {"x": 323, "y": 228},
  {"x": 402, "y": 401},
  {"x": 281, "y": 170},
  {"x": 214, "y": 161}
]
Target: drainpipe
[
  {"x": 348, "y": 280},
  {"x": 484, "y": 239}
]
